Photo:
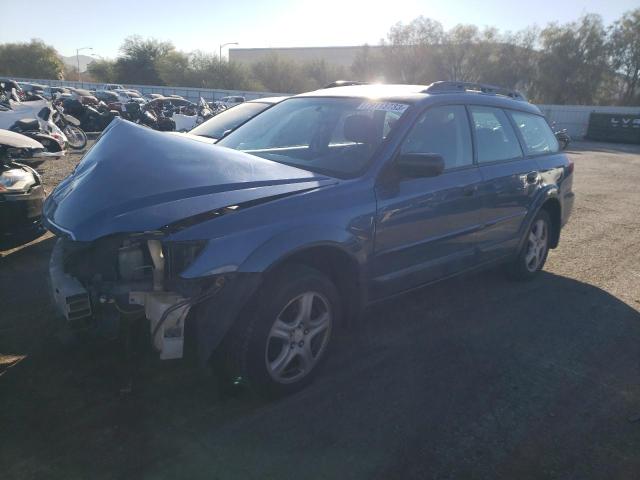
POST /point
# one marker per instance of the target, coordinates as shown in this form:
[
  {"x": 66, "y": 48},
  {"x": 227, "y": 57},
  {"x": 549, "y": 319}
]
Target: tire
[
  {"x": 76, "y": 138},
  {"x": 533, "y": 255},
  {"x": 274, "y": 348}
]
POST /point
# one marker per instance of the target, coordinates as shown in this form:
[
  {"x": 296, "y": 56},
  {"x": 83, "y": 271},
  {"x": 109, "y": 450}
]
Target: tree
[
  {"x": 573, "y": 61},
  {"x": 410, "y": 51},
  {"x": 277, "y": 74},
  {"x": 33, "y": 59},
  {"x": 367, "y": 65},
  {"x": 459, "y": 57},
  {"x": 318, "y": 73},
  {"x": 102, "y": 70},
  {"x": 174, "y": 68},
  {"x": 625, "y": 53},
  {"x": 137, "y": 63},
  {"x": 509, "y": 60}
]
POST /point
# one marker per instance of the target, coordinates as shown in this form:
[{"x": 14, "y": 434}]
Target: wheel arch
[
  {"x": 552, "y": 206},
  {"x": 340, "y": 266},
  {"x": 548, "y": 200}
]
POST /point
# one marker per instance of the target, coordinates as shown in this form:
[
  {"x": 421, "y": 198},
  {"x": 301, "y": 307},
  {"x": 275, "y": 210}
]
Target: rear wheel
[
  {"x": 76, "y": 138},
  {"x": 278, "y": 346},
  {"x": 533, "y": 254}
]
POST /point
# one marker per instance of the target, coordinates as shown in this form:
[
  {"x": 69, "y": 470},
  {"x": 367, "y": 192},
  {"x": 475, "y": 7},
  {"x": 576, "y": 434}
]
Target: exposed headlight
[
  {"x": 179, "y": 255},
  {"x": 16, "y": 180}
]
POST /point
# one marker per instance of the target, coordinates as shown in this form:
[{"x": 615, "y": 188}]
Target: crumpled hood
[{"x": 135, "y": 179}]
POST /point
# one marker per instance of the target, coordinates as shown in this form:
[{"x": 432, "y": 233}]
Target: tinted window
[
  {"x": 229, "y": 119},
  {"x": 495, "y": 137},
  {"x": 536, "y": 133},
  {"x": 443, "y": 130}
]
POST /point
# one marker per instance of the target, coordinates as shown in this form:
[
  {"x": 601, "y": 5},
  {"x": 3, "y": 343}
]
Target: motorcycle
[
  {"x": 91, "y": 119},
  {"x": 562, "y": 135},
  {"x": 70, "y": 126},
  {"x": 38, "y": 126},
  {"x": 192, "y": 116},
  {"x": 21, "y": 190},
  {"x": 148, "y": 115}
]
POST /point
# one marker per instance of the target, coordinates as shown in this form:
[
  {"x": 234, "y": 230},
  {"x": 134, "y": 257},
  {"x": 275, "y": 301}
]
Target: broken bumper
[
  {"x": 167, "y": 311},
  {"x": 75, "y": 303}
]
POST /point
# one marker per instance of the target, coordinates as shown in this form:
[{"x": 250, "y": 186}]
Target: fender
[
  {"x": 47, "y": 140},
  {"x": 290, "y": 242},
  {"x": 545, "y": 193},
  {"x": 215, "y": 318}
]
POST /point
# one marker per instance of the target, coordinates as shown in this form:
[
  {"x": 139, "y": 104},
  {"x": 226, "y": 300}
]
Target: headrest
[{"x": 359, "y": 129}]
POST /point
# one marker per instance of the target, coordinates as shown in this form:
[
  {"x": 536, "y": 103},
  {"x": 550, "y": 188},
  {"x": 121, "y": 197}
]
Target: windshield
[
  {"x": 229, "y": 119},
  {"x": 336, "y": 136}
]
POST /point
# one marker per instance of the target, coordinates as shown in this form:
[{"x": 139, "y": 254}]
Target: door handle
[
  {"x": 469, "y": 190},
  {"x": 533, "y": 177}
]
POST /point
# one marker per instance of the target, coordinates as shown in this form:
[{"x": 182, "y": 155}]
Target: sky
[{"x": 204, "y": 25}]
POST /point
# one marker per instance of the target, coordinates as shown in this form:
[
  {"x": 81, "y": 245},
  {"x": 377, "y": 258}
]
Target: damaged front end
[
  {"x": 95, "y": 284},
  {"x": 131, "y": 245}
]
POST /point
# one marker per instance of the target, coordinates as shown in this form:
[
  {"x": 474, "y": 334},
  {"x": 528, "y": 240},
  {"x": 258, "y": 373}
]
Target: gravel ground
[{"x": 475, "y": 377}]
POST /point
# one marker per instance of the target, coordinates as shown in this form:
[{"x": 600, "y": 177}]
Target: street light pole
[
  {"x": 78, "y": 50},
  {"x": 224, "y": 45}
]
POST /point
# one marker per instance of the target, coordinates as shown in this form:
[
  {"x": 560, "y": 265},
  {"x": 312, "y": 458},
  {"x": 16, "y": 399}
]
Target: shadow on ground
[{"x": 474, "y": 378}]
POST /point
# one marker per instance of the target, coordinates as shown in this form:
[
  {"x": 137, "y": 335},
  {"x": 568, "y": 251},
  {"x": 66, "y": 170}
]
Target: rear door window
[
  {"x": 536, "y": 133},
  {"x": 495, "y": 138}
]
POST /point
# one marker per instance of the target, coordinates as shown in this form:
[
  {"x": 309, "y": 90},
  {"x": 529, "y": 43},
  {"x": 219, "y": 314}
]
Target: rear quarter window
[{"x": 536, "y": 133}]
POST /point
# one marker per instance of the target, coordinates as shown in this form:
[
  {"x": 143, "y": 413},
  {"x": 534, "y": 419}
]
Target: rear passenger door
[
  {"x": 425, "y": 227},
  {"x": 510, "y": 180}
]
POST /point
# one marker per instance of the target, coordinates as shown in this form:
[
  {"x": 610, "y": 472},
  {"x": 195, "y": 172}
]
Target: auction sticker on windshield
[{"x": 384, "y": 106}]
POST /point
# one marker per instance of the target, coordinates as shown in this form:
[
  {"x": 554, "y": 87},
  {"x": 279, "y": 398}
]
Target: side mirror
[{"x": 420, "y": 164}]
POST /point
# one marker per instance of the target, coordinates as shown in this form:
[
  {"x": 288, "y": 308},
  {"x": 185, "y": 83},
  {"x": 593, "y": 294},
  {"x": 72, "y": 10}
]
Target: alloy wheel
[
  {"x": 537, "y": 244},
  {"x": 298, "y": 337}
]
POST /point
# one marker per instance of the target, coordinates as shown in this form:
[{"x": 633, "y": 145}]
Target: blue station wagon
[{"x": 253, "y": 251}]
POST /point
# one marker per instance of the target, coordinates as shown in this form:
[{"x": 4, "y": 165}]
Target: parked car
[
  {"x": 125, "y": 96},
  {"x": 51, "y": 93},
  {"x": 107, "y": 96},
  {"x": 263, "y": 245},
  {"x": 228, "y": 120},
  {"x": 84, "y": 96},
  {"x": 231, "y": 100},
  {"x": 31, "y": 89},
  {"x": 21, "y": 190},
  {"x": 111, "y": 86}
]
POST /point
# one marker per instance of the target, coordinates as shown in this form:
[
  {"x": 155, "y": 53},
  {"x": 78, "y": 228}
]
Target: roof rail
[
  {"x": 449, "y": 87},
  {"x": 344, "y": 83}
]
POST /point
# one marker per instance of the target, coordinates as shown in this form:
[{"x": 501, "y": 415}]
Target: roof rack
[
  {"x": 344, "y": 83},
  {"x": 449, "y": 87}
]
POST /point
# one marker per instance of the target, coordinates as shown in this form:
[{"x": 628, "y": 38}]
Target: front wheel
[
  {"x": 76, "y": 138},
  {"x": 533, "y": 254},
  {"x": 278, "y": 346}
]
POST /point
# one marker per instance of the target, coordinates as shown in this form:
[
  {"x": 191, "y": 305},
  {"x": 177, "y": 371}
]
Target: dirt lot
[{"x": 474, "y": 378}]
